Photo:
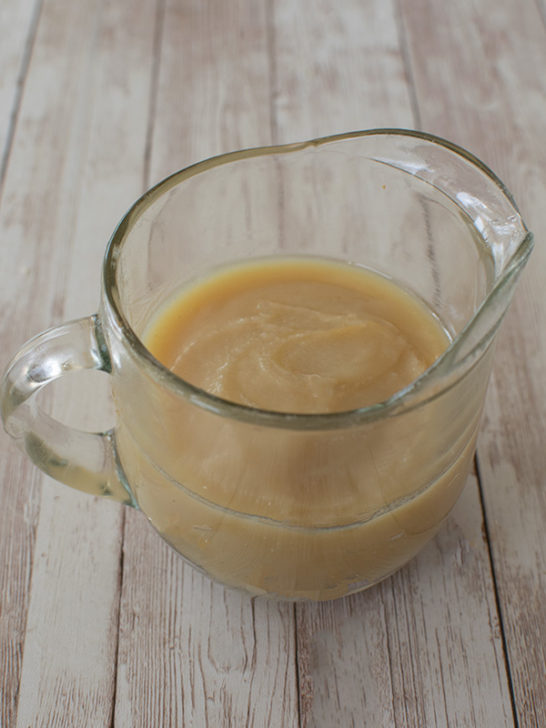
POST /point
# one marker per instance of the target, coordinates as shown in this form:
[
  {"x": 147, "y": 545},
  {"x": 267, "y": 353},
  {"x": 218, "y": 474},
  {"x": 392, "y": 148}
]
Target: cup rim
[{"x": 405, "y": 399}]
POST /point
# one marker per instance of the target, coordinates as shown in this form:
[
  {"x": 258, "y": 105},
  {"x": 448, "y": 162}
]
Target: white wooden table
[{"x": 100, "y": 623}]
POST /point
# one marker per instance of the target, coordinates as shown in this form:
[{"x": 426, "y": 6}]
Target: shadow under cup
[{"x": 311, "y": 506}]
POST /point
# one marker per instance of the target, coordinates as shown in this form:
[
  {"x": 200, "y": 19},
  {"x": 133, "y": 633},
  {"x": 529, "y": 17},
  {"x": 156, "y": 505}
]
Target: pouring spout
[{"x": 475, "y": 266}]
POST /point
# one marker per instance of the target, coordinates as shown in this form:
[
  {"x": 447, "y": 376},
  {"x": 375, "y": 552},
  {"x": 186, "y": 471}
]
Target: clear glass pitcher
[{"x": 292, "y": 505}]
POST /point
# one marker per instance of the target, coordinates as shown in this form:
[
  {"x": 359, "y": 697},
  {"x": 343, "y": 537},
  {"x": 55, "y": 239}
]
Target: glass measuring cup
[{"x": 292, "y": 505}]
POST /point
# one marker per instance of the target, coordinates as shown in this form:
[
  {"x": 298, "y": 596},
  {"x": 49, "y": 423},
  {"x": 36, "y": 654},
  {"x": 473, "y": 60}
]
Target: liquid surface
[{"x": 297, "y": 335}]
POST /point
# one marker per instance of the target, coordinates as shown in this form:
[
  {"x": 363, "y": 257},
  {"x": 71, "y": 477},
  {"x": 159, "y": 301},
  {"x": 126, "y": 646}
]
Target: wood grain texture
[
  {"x": 336, "y": 69},
  {"x": 18, "y": 517},
  {"x": 192, "y": 653},
  {"x": 68, "y": 663},
  {"x": 495, "y": 105},
  {"x": 213, "y": 86},
  {"x": 68, "y": 672}
]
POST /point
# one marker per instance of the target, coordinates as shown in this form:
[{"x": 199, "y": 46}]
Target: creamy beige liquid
[
  {"x": 314, "y": 514},
  {"x": 302, "y": 336}
]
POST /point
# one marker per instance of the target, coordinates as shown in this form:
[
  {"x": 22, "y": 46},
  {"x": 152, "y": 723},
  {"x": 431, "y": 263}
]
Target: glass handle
[{"x": 86, "y": 461}]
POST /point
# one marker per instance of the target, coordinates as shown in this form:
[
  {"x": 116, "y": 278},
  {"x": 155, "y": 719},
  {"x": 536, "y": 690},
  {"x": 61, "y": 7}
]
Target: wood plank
[
  {"x": 90, "y": 63},
  {"x": 213, "y": 84},
  {"x": 20, "y": 496},
  {"x": 343, "y": 667},
  {"x": 67, "y": 676},
  {"x": 337, "y": 69},
  {"x": 479, "y": 80},
  {"x": 388, "y": 656},
  {"x": 18, "y": 22},
  {"x": 190, "y": 651}
]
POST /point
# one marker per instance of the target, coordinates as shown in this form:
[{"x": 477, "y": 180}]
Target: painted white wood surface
[{"x": 100, "y": 623}]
